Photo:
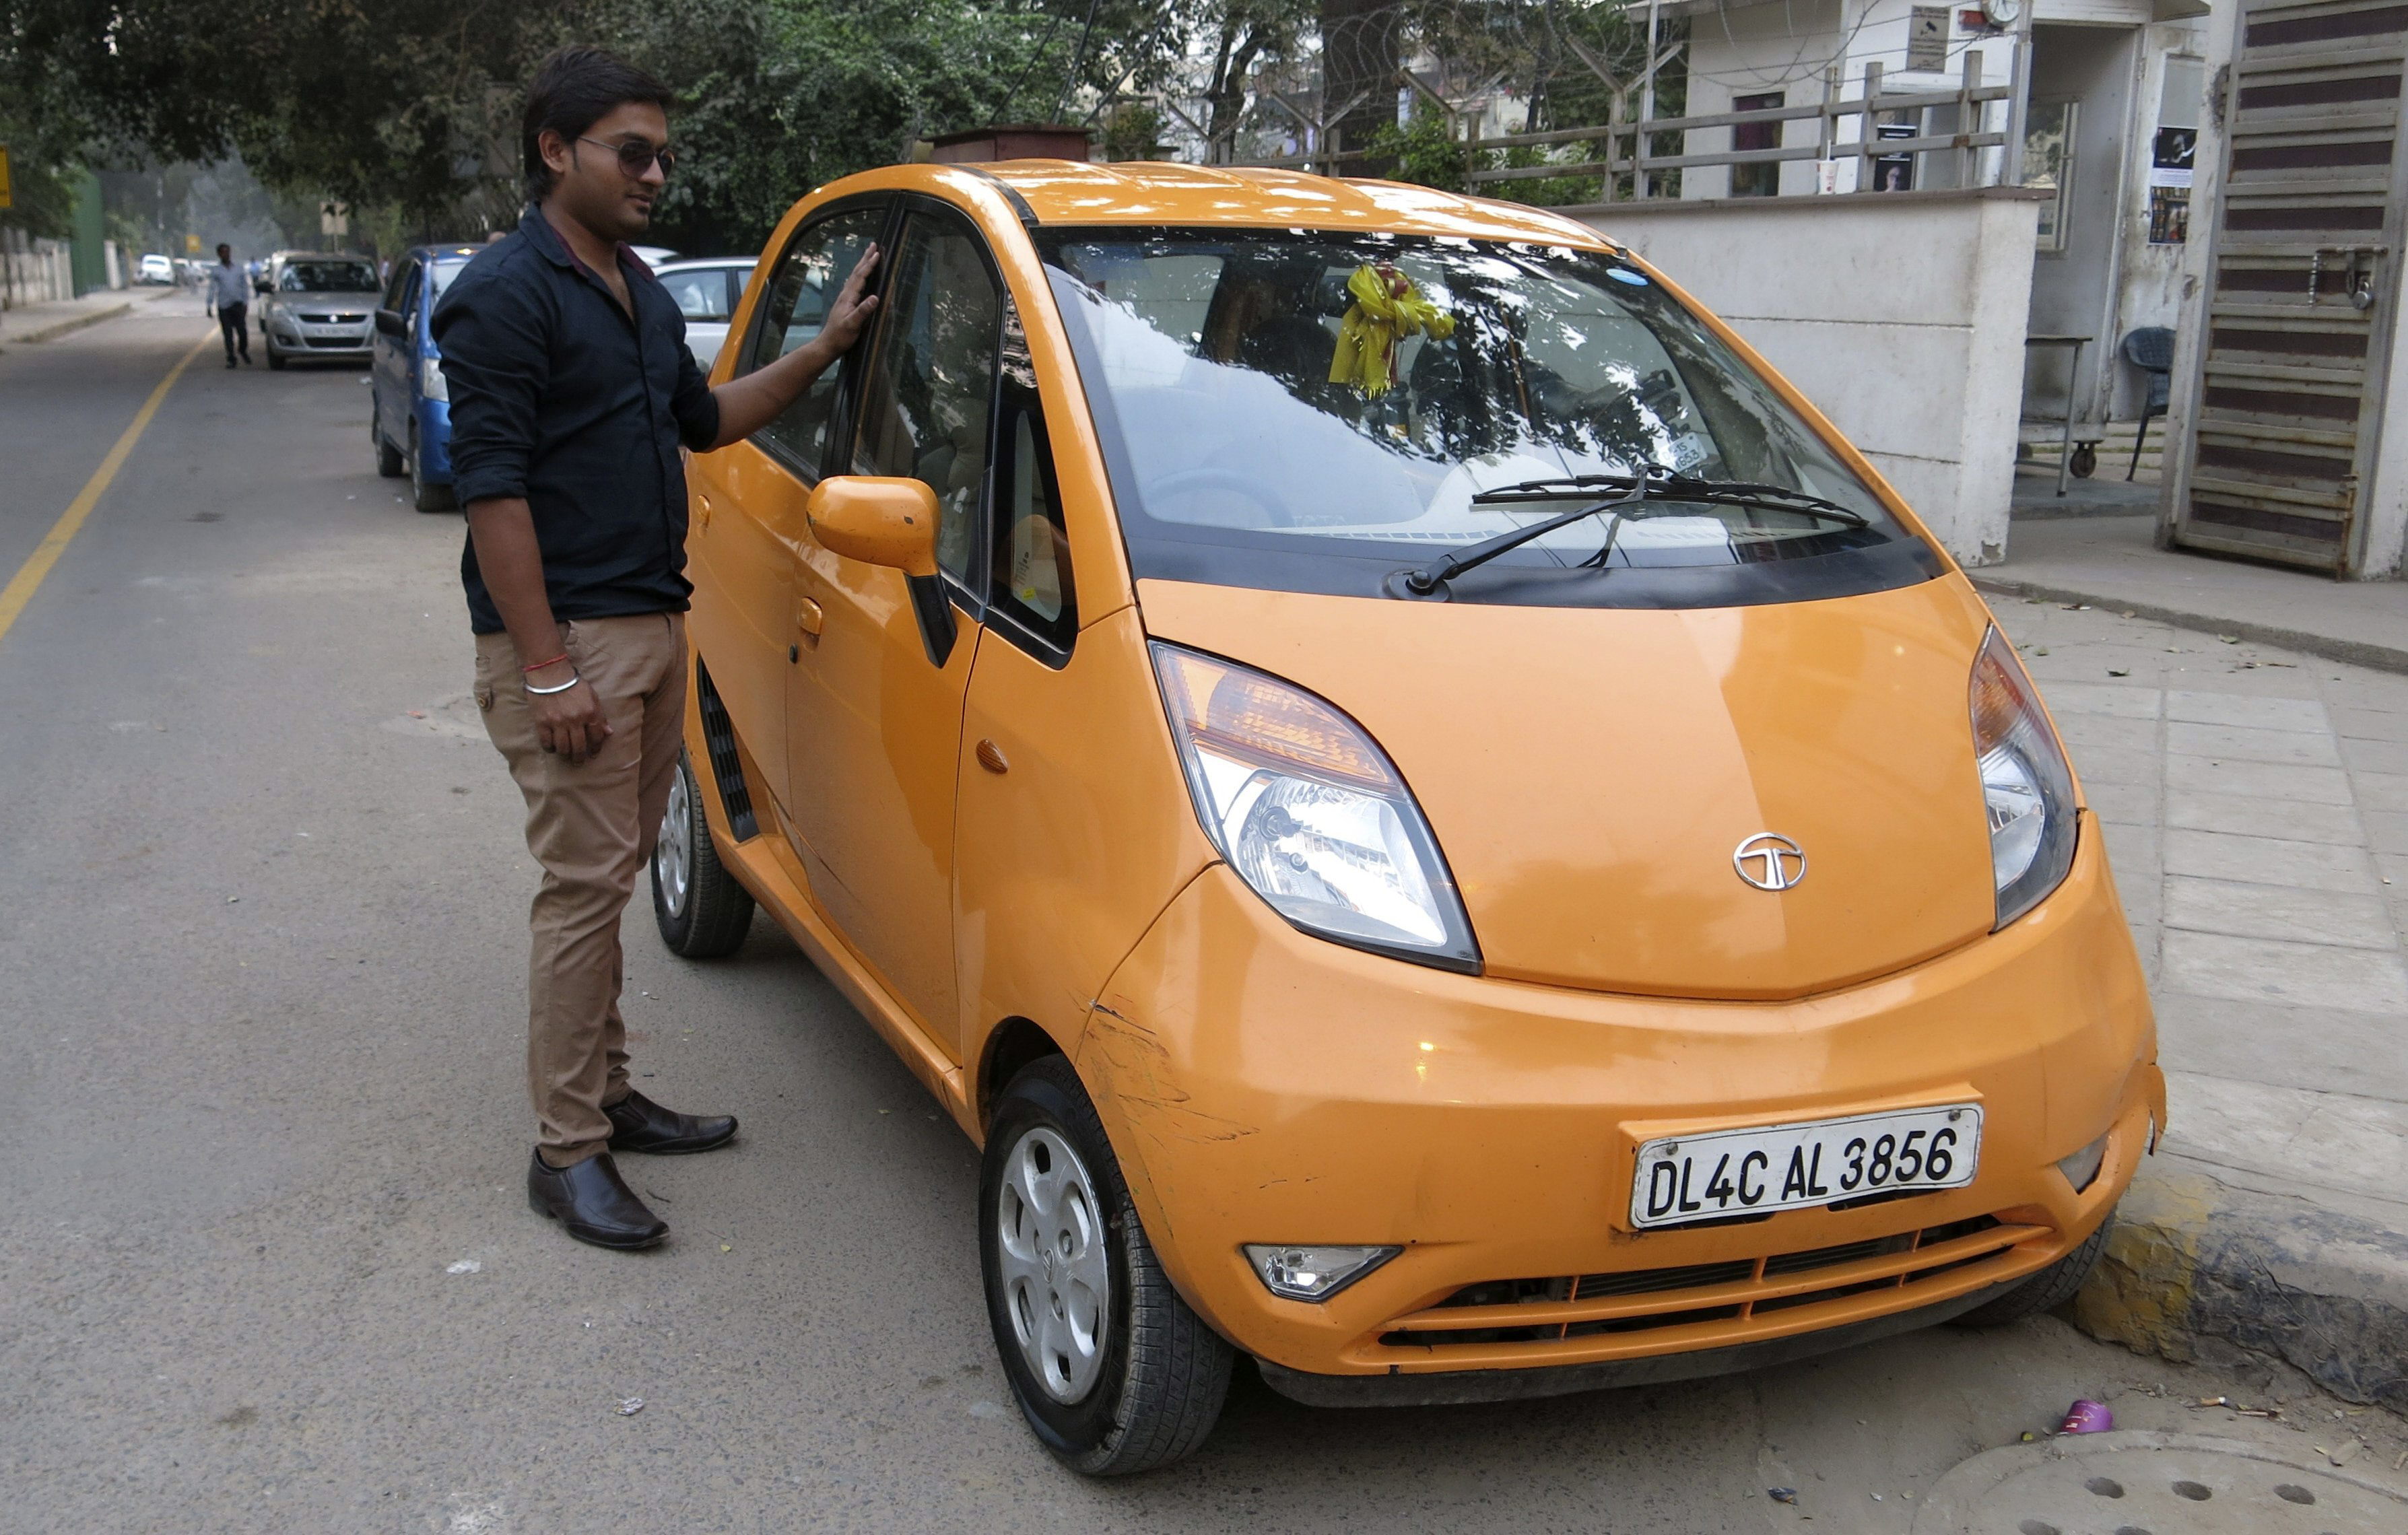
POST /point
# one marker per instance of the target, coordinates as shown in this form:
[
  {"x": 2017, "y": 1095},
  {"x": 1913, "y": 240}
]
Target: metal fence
[{"x": 1625, "y": 158}]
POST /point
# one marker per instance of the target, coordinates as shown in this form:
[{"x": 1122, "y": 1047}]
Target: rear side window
[
  {"x": 700, "y": 296},
  {"x": 807, "y": 277}
]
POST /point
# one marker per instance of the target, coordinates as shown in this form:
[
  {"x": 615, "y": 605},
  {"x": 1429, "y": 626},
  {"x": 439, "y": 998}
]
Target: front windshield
[
  {"x": 1313, "y": 410},
  {"x": 328, "y": 277},
  {"x": 439, "y": 276}
]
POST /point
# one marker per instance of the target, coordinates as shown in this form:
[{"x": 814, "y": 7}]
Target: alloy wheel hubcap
[
  {"x": 1057, "y": 1274},
  {"x": 673, "y": 860}
]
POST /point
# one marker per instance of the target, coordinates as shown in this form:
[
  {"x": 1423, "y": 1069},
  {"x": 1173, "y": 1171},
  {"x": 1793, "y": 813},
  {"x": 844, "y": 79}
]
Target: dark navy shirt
[{"x": 562, "y": 397}]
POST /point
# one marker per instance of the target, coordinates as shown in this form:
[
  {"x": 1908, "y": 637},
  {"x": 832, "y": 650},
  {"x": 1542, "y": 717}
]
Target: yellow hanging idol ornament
[{"x": 1386, "y": 309}]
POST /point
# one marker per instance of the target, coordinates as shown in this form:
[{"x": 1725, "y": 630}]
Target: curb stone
[
  {"x": 57, "y": 328},
  {"x": 2355, "y": 652},
  {"x": 2195, "y": 1264}
]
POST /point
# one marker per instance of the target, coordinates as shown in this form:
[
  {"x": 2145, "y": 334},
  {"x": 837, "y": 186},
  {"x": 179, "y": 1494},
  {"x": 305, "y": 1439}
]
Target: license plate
[{"x": 1753, "y": 1171}]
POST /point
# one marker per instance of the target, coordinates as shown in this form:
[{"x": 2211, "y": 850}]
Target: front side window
[
  {"x": 328, "y": 277},
  {"x": 1308, "y": 410},
  {"x": 405, "y": 272},
  {"x": 808, "y": 276},
  {"x": 929, "y": 404}
]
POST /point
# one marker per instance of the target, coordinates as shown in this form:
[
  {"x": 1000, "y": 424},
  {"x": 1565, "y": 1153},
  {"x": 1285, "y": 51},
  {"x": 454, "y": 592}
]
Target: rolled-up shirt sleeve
[
  {"x": 695, "y": 408},
  {"x": 498, "y": 362}
]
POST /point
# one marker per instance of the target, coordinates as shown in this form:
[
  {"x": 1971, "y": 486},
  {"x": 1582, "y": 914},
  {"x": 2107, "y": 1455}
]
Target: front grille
[
  {"x": 1543, "y": 1311},
  {"x": 334, "y": 318},
  {"x": 718, "y": 739}
]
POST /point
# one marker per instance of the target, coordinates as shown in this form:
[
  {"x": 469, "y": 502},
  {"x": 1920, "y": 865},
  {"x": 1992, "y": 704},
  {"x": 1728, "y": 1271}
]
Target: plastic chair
[{"x": 2150, "y": 349}]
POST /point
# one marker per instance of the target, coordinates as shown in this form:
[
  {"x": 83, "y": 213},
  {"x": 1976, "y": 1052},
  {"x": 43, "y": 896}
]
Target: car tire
[
  {"x": 1149, "y": 1383},
  {"x": 2046, "y": 1290},
  {"x": 276, "y": 359},
  {"x": 701, "y": 910},
  {"x": 389, "y": 460},
  {"x": 426, "y": 498}
]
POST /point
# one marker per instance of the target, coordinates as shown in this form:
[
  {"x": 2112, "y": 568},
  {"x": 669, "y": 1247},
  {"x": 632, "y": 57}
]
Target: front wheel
[
  {"x": 1113, "y": 1370},
  {"x": 276, "y": 359},
  {"x": 702, "y": 912},
  {"x": 2046, "y": 1290}
]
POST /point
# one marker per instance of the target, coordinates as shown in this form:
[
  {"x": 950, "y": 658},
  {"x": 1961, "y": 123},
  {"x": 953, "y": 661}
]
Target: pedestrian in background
[
  {"x": 230, "y": 297},
  {"x": 572, "y": 391}
]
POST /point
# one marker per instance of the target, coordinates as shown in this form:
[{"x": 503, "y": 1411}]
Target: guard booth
[{"x": 2282, "y": 460}]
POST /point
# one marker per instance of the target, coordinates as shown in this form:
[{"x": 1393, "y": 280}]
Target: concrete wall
[{"x": 1900, "y": 316}]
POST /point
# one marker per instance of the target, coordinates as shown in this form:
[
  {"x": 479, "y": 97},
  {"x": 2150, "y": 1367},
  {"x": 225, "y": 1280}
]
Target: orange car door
[
  {"x": 874, "y": 705},
  {"x": 748, "y": 513}
]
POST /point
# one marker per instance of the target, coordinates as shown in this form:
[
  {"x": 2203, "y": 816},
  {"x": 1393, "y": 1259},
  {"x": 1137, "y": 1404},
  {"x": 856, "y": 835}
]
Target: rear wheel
[
  {"x": 2045, "y": 1291},
  {"x": 701, "y": 910},
  {"x": 428, "y": 497},
  {"x": 1113, "y": 1370}
]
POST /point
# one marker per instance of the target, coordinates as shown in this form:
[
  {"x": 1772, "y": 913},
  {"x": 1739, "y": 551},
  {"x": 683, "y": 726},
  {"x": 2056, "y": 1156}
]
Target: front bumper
[{"x": 1262, "y": 1086}]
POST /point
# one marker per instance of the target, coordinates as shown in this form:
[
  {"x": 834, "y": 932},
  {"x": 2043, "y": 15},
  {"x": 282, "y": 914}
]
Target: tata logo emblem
[{"x": 1769, "y": 861}]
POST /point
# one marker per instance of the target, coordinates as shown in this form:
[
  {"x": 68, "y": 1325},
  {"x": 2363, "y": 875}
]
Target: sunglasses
[{"x": 636, "y": 156}]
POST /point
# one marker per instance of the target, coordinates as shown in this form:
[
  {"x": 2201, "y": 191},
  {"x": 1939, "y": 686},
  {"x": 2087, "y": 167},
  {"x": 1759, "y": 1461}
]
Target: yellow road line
[{"x": 20, "y": 590}]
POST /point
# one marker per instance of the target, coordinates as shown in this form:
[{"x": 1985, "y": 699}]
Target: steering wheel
[{"x": 1272, "y": 505}]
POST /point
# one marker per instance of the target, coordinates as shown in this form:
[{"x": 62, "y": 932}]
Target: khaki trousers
[{"x": 592, "y": 827}]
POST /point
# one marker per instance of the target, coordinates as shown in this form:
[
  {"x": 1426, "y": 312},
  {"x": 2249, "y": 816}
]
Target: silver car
[
  {"x": 705, "y": 291},
  {"x": 314, "y": 305}
]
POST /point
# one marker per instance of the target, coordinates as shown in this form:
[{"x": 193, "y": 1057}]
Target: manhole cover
[{"x": 2151, "y": 1483}]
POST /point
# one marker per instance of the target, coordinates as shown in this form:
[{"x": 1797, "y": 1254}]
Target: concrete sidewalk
[
  {"x": 2254, "y": 804},
  {"x": 2112, "y": 561},
  {"x": 38, "y": 322}
]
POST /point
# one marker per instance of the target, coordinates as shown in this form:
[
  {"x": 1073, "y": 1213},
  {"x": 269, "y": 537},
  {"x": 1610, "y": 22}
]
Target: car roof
[
  {"x": 1063, "y": 192},
  {"x": 319, "y": 255},
  {"x": 689, "y": 263},
  {"x": 448, "y": 248}
]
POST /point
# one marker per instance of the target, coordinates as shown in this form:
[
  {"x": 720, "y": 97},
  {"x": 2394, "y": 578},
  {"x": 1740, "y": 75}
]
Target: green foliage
[
  {"x": 1426, "y": 150},
  {"x": 1133, "y": 131}
]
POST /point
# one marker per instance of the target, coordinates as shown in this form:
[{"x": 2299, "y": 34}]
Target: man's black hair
[{"x": 575, "y": 87}]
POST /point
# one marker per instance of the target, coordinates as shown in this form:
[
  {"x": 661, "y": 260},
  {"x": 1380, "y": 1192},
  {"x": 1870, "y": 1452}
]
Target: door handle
[
  {"x": 991, "y": 757},
  {"x": 808, "y": 616}
]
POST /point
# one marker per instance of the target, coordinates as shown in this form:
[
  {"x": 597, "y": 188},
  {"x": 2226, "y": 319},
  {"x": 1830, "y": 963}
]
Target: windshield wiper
[
  {"x": 1430, "y": 578},
  {"x": 1739, "y": 493},
  {"x": 1652, "y": 483}
]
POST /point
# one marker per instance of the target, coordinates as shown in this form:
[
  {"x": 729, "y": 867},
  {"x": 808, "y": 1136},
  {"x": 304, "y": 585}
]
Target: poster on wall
[
  {"x": 1895, "y": 172},
  {"x": 2170, "y": 157}
]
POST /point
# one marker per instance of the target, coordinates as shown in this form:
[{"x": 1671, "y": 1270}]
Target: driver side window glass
[
  {"x": 397, "y": 296},
  {"x": 808, "y": 276},
  {"x": 927, "y": 412}
]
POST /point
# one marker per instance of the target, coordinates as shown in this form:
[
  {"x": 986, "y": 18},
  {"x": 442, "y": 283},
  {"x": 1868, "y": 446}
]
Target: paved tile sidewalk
[{"x": 2255, "y": 803}]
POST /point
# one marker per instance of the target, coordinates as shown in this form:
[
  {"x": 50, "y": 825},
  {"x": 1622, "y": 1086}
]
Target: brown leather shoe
[
  {"x": 639, "y": 1125},
  {"x": 592, "y": 1203}
]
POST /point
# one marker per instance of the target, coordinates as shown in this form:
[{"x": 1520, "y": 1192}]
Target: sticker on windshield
[{"x": 1687, "y": 451}]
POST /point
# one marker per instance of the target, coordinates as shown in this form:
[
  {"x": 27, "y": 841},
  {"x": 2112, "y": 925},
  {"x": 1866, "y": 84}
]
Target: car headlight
[
  {"x": 430, "y": 379},
  {"x": 2027, "y": 789},
  {"x": 1310, "y": 814}
]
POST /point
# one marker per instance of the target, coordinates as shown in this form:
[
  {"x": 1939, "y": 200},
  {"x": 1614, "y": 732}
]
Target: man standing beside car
[
  {"x": 571, "y": 393},
  {"x": 230, "y": 297}
]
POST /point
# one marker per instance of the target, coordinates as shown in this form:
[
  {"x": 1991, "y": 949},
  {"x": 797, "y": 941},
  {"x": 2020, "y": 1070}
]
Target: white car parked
[{"x": 705, "y": 291}]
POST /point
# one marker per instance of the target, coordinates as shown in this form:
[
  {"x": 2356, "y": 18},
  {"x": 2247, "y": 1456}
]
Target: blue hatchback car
[{"x": 409, "y": 418}]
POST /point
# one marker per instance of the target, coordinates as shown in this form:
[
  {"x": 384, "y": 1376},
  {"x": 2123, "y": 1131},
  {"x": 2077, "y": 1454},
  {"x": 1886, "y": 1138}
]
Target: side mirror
[
  {"x": 877, "y": 521},
  {"x": 889, "y": 522},
  {"x": 389, "y": 324}
]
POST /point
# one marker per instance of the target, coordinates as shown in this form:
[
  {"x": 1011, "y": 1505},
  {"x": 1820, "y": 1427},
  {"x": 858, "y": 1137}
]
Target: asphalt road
[{"x": 265, "y": 1259}]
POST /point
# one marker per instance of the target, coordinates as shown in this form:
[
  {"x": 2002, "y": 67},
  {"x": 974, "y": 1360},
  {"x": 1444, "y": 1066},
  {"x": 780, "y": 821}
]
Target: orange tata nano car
[{"x": 1443, "y": 829}]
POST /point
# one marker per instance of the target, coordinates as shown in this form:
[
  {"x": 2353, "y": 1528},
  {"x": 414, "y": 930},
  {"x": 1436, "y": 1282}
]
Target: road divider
[{"x": 22, "y": 586}]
